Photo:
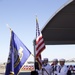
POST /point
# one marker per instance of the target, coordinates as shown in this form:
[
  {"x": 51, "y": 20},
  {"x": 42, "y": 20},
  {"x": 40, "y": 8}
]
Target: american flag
[{"x": 40, "y": 45}]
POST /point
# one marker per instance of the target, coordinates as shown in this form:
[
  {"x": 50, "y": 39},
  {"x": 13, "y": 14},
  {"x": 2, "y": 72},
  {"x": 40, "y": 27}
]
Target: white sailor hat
[
  {"x": 62, "y": 60},
  {"x": 55, "y": 59},
  {"x": 42, "y": 60},
  {"x": 45, "y": 58}
]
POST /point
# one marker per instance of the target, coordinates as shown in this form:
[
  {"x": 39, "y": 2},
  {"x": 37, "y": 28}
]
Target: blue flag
[{"x": 18, "y": 55}]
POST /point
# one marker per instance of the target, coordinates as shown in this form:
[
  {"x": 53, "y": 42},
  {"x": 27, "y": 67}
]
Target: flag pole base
[{"x": 34, "y": 72}]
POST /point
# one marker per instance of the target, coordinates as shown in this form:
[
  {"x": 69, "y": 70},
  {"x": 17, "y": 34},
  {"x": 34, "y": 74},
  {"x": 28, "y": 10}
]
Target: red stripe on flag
[
  {"x": 39, "y": 60},
  {"x": 39, "y": 42},
  {"x": 38, "y": 39},
  {"x": 40, "y": 45},
  {"x": 40, "y": 51}
]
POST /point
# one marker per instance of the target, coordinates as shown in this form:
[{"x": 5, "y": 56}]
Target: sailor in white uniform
[
  {"x": 55, "y": 67},
  {"x": 40, "y": 71},
  {"x": 46, "y": 69},
  {"x": 63, "y": 68}
]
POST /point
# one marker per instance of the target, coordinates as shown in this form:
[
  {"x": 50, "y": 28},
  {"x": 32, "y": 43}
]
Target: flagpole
[
  {"x": 35, "y": 59},
  {"x": 34, "y": 44},
  {"x": 12, "y": 52},
  {"x": 9, "y": 27},
  {"x": 34, "y": 55}
]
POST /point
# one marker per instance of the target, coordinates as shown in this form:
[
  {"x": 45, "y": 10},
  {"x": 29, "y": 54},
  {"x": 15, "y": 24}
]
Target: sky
[{"x": 20, "y": 15}]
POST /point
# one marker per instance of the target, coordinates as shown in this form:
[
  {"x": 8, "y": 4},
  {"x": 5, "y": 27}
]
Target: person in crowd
[
  {"x": 46, "y": 68},
  {"x": 55, "y": 67},
  {"x": 63, "y": 68},
  {"x": 42, "y": 63},
  {"x": 40, "y": 70},
  {"x": 36, "y": 66}
]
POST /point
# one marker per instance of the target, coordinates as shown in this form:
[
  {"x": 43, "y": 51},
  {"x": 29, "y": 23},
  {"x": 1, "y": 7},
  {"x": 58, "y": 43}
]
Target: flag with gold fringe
[{"x": 18, "y": 55}]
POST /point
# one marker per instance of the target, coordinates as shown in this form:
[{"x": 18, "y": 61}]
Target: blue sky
[{"x": 20, "y": 16}]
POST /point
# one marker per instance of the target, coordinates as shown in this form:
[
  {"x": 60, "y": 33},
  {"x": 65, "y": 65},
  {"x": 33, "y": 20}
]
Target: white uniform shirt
[
  {"x": 63, "y": 70},
  {"x": 48, "y": 69},
  {"x": 55, "y": 70},
  {"x": 39, "y": 72}
]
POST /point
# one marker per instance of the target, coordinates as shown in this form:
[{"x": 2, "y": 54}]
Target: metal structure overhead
[{"x": 60, "y": 29}]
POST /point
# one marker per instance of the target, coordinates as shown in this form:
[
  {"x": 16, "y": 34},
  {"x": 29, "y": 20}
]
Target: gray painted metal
[{"x": 61, "y": 27}]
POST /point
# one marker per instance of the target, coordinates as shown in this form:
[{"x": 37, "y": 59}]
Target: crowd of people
[{"x": 54, "y": 68}]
